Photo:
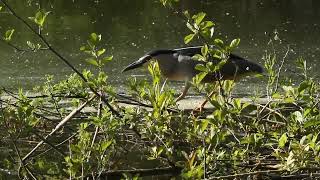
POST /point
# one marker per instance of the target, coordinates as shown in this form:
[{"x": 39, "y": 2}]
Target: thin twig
[
  {"x": 280, "y": 68},
  {"x": 61, "y": 124},
  {"x": 97, "y": 128},
  {"x": 57, "y": 145},
  {"x": 245, "y": 174},
  {"x": 21, "y": 163},
  {"x": 141, "y": 172}
]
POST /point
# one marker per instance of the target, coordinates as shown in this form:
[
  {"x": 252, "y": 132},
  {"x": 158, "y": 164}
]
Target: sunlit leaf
[
  {"x": 304, "y": 85},
  {"x": 82, "y": 48},
  {"x": 211, "y": 31},
  {"x": 105, "y": 145},
  {"x": 191, "y": 27},
  {"x": 107, "y": 59},
  {"x": 198, "y": 17},
  {"x": 312, "y": 122},
  {"x": 289, "y": 99},
  {"x": 92, "y": 61},
  {"x": 31, "y": 45},
  {"x": 207, "y": 24},
  {"x": 283, "y": 140},
  {"x": 218, "y": 42},
  {"x": 100, "y": 52},
  {"x": 198, "y": 57},
  {"x": 186, "y": 14},
  {"x": 204, "y": 50},
  {"x": 188, "y": 38},
  {"x": 8, "y": 34},
  {"x": 303, "y": 139},
  {"x": 234, "y": 43},
  {"x": 94, "y": 38},
  {"x": 40, "y": 18},
  {"x": 298, "y": 116},
  {"x": 204, "y": 125},
  {"x": 201, "y": 67}
]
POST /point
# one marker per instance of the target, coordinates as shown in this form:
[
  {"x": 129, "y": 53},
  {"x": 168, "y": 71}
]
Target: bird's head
[
  {"x": 138, "y": 63},
  {"x": 243, "y": 67}
]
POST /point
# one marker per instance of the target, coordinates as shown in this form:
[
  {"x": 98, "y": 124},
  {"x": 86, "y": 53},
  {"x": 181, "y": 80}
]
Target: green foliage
[
  {"x": 168, "y": 3},
  {"x": 198, "y": 26},
  {"x": 40, "y": 18},
  {"x": 8, "y": 35},
  {"x": 96, "y": 58}
]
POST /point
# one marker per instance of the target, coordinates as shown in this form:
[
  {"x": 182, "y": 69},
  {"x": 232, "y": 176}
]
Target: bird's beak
[{"x": 137, "y": 63}]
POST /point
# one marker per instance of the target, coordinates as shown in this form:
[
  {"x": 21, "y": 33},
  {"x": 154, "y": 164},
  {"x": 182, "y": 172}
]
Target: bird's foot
[{"x": 197, "y": 110}]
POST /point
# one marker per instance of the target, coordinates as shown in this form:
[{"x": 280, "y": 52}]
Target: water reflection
[{"x": 130, "y": 28}]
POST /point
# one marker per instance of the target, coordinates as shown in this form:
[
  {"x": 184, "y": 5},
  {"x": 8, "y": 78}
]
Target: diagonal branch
[
  {"x": 61, "y": 124},
  {"x": 104, "y": 99}
]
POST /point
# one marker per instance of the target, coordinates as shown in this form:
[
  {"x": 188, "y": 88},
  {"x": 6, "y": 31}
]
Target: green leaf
[
  {"x": 206, "y": 24},
  {"x": 187, "y": 14},
  {"x": 303, "y": 139},
  {"x": 94, "y": 38},
  {"x": 211, "y": 32},
  {"x": 298, "y": 116},
  {"x": 8, "y": 35},
  {"x": 237, "y": 104},
  {"x": 204, "y": 50},
  {"x": 0, "y": 8},
  {"x": 234, "y": 43},
  {"x": 289, "y": 100},
  {"x": 198, "y": 17},
  {"x": 288, "y": 89},
  {"x": 83, "y": 48},
  {"x": 199, "y": 77},
  {"x": 218, "y": 42},
  {"x": 191, "y": 28},
  {"x": 188, "y": 38},
  {"x": 198, "y": 57},
  {"x": 204, "y": 125},
  {"x": 283, "y": 140},
  {"x": 105, "y": 144},
  {"x": 304, "y": 85},
  {"x": 40, "y": 18},
  {"x": 92, "y": 61},
  {"x": 201, "y": 67},
  {"x": 100, "y": 52},
  {"x": 312, "y": 122},
  {"x": 276, "y": 95},
  {"x": 31, "y": 45},
  {"x": 107, "y": 59}
]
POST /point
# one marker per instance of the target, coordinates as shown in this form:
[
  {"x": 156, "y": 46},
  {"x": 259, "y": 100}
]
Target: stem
[{"x": 279, "y": 70}]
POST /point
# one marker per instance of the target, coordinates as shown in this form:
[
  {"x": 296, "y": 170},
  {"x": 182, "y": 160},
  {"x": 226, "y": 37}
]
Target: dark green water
[{"x": 131, "y": 28}]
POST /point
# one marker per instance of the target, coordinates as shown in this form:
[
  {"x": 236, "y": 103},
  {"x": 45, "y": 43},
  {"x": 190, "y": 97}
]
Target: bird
[{"x": 179, "y": 65}]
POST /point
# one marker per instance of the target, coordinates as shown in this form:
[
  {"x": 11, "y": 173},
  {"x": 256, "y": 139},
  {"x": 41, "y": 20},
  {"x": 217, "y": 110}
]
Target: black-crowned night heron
[{"x": 179, "y": 65}]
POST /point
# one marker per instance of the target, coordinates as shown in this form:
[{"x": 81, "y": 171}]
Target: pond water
[{"x": 131, "y": 28}]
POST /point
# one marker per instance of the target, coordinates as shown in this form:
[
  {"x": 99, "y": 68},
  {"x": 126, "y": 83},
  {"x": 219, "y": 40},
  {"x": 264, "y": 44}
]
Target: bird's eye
[{"x": 247, "y": 68}]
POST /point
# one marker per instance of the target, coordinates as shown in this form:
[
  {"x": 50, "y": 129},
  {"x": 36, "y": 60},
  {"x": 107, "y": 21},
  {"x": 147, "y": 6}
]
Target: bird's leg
[
  {"x": 201, "y": 107},
  {"x": 207, "y": 99},
  {"x": 184, "y": 92}
]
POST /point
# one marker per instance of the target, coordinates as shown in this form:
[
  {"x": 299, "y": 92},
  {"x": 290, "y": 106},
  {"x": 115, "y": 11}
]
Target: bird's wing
[{"x": 189, "y": 51}]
